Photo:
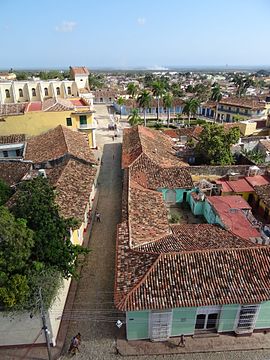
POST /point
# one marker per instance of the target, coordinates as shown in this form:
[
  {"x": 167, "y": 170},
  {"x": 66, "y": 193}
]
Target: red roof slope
[
  {"x": 229, "y": 208},
  {"x": 56, "y": 143},
  {"x": 153, "y": 143},
  {"x": 257, "y": 180},
  {"x": 162, "y": 275}
]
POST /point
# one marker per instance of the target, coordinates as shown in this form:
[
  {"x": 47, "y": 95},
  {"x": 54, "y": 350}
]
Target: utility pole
[{"x": 44, "y": 325}]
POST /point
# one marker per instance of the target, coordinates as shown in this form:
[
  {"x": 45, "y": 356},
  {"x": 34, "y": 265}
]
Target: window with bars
[{"x": 247, "y": 318}]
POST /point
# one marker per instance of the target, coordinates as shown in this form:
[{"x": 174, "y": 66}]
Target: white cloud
[
  {"x": 66, "y": 26},
  {"x": 141, "y": 21}
]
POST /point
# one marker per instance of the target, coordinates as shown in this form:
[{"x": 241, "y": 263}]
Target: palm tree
[
  {"x": 134, "y": 117},
  {"x": 144, "y": 100},
  {"x": 191, "y": 108},
  {"x": 158, "y": 90},
  {"x": 242, "y": 84},
  {"x": 120, "y": 102},
  {"x": 168, "y": 102},
  {"x": 216, "y": 96},
  {"x": 132, "y": 90}
]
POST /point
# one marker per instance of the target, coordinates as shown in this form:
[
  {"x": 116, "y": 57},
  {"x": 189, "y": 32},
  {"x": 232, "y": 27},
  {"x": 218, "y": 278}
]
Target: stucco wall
[
  {"x": 137, "y": 324},
  {"x": 35, "y": 123},
  {"x": 227, "y": 317},
  {"x": 20, "y": 328},
  {"x": 263, "y": 319},
  {"x": 183, "y": 321}
]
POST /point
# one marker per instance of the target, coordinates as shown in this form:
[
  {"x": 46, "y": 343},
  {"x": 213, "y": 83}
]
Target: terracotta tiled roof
[
  {"x": 131, "y": 147},
  {"x": 79, "y": 70},
  {"x": 194, "y": 266},
  {"x": 195, "y": 237},
  {"x": 130, "y": 265},
  {"x": 73, "y": 182},
  {"x": 148, "y": 216},
  {"x": 264, "y": 193},
  {"x": 242, "y": 102},
  {"x": 152, "y": 143},
  {"x": 193, "y": 131},
  {"x": 105, "y": 93},
  {"x": 58, "y": 104},
  {"x": 163, "y": 267},
  {"x": 203, "y": 278},
  {"x": 150, "y": 175},
  {"x": 12, "y": 109},
  {"x": 12, "y": 139},
  {"x": 13, "y": 171},
  {"x": 173, "y": 133},
  {"x": 58, "y": 142}
]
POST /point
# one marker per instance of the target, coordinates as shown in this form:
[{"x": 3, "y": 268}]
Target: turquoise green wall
[
  {"x": 227, "y": 317},
  {"x": 179, "y": 194},
  {"x": 210, "y": 215},
  {"x": 263, "y": 320},
  {"x": 196, "y": 206},
  {"x": 137, "y": 324},
  {"x": 183, "y": 321}
]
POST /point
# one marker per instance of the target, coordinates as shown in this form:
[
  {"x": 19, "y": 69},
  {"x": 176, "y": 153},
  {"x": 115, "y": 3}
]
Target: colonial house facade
[{"x": 13, "y": 92}]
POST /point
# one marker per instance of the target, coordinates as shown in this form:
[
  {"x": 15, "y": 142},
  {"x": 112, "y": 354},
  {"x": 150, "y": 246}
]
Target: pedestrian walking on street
[
  {"x": 98, "y": 216},
  {"x": 113, "y": 137},
  {"x": 182, "y": 342},
  {"x": 74, "y": 345}
]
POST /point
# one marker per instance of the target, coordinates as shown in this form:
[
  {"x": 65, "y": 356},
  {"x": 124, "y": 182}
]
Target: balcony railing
[{"x": 88, "y": 126}]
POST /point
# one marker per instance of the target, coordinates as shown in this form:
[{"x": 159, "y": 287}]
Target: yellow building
[{"x": 38, "y": 117}]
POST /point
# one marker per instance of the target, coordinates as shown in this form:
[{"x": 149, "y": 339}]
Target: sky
[{"x": 133, "y": 33}]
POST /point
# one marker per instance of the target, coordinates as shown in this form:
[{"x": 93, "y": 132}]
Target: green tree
[
  {"x": 5, "y": 192},
  {"x": 158, "y": 90},
  {"x": 176, "y": 90},
  {"x": 168, "y": 103},
  {"x": 216, "y": 96},
  {"x": 256, "y": 156},
  {"x": 144, "y": 101},
  {"x": 120, "y": 102},
  {"x": 202, "y": 91},
  {"x": 191, "y": 108},
  {"x": 96, "y": 81},
  {"x": 134, "y": 117},
  {"x": 21, "y": 75},
  {"x": 214, "y": 146},
  {"x": 149, "y": 78},
  {"x": 132, "y": 90},
  {"x": 189, "y": 89},
  {"x": 16, "y": 243},
  {"x": 242, "y": 83},
  {"x": 52, "y": 246}
]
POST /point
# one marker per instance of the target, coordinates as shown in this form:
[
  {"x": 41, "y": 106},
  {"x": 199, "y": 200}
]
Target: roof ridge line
[
  {"x": 256, "y": 246},
  {"x": 63, "y": 132},
  {"x": 142, "y": 280}
]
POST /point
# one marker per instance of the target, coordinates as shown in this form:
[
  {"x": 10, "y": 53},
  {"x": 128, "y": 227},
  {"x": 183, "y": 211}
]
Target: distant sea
[{"x": 198, "y": 68}]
